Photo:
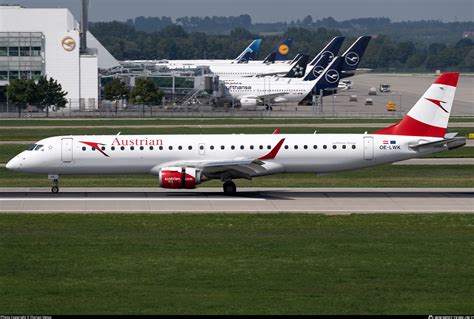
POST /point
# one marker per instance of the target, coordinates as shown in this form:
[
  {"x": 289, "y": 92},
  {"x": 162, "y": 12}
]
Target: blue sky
[{"x": 269, "y": 10}]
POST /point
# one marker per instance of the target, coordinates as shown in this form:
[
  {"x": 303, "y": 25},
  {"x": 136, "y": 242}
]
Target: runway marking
[{"x": 129, "y": 199}]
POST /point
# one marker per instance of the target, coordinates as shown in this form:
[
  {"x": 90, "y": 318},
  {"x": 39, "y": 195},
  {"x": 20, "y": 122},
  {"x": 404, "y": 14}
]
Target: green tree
[
  {"x": 146, "y": 92},
  {"x": 22, "y": 93},
  {"x": 116, "y": 90},
  {"x": 55, "y": 96},
  {"x": 43, "y": 94}
]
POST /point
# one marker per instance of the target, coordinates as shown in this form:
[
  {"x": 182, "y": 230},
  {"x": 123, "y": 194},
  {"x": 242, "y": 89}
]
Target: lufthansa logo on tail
[
  {"x": 329, "y": 54},
  {"x": 283, "y": 49},
  {"x": 352, "y": 58},
  {"x": 317, "y": 70},
  {"x": 332, "y": 76}
]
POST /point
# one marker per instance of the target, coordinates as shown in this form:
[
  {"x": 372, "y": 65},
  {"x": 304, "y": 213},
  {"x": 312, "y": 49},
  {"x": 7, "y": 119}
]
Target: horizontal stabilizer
[{"x": 449, "y": 143}]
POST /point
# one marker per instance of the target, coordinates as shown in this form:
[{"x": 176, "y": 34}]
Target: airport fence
[{"x": 345, "y": 105}]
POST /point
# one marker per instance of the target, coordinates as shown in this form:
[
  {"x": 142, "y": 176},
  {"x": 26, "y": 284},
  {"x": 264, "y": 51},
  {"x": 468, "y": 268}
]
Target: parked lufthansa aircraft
[{"x": 184, "y": 161}]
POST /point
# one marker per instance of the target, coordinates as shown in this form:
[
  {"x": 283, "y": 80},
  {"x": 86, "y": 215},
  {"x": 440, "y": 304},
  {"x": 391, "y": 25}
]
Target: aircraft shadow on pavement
[{"x": 269, "y": 195}]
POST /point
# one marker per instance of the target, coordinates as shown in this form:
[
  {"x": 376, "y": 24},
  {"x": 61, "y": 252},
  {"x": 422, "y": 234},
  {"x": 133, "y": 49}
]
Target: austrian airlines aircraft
[{"x": 184, "y": 161}]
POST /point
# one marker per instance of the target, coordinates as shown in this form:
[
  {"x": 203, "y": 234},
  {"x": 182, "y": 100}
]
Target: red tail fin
[{"x": 430, "y": 115}]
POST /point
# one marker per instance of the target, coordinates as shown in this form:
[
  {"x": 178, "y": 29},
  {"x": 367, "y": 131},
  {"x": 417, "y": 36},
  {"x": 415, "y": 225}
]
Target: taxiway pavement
[{"x": 247, "y": 200}]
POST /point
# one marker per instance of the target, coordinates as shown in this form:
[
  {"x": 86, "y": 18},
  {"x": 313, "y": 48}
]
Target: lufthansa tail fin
[
  {"x": 280, "y": 52},
  {"x": 430, "y": 115},
  {"x": 295, "y": 58},
  {"x": 354, "y": 53},
  {"x": 318, "y": 68},
  {"x": 250, "y": 53},
  {"x": 328, "y": 81},
  {"x": 331, "y": 49},
  {"x": 298, "y": 70}
]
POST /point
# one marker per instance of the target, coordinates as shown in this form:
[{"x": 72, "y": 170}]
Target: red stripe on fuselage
[
  {"x": 411, "y": 127},
  {"x": 96, "y": 145}
]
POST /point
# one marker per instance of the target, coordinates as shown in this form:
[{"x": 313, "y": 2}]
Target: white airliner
[
  {"x": 184, "y": 161},
  {"x": 265, "y": 91}
]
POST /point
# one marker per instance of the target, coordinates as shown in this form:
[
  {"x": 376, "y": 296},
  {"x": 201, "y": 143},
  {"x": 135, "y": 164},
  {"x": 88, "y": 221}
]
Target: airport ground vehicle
[
  {"x": 372, "y": 91},
  {"x": 185, "y": 161},
  {"x": 384, "y": 88},
  {"x": 369, "y": 101}
]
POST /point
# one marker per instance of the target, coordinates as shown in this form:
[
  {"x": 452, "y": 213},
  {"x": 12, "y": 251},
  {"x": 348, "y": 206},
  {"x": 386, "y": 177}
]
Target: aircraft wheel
[
  {"x": 229, "y": 188},
  {"x": 55, "y": 189}
]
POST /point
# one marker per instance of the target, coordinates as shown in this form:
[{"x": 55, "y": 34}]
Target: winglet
[
  {"x": 273, "y": 153},
  {"x": 277, "y": 131}
]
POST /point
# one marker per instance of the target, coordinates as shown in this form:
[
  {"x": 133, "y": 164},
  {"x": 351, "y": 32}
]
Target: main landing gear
[
  {"x": 229, "y": 188},
  {"x": 55, "y": 179}
]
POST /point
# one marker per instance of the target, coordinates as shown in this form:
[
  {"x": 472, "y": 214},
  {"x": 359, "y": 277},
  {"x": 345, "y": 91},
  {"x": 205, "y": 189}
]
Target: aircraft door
[
  {"x": 368, "y": 148},
  {"x": 202, "y": 148},
  {"x": 66, "y": 150}
]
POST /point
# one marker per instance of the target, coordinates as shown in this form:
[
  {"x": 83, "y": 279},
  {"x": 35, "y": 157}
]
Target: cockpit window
[
  {"x": 32, "y": 147},
  {"x": 39, "y": 147}
]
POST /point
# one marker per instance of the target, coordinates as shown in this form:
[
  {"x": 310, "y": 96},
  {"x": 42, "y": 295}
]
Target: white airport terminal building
[{"x": 37, "y": 42}]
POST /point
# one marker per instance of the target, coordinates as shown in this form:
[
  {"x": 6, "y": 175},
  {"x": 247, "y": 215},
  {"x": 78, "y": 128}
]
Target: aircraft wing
[
  {"x": 267, "y": 74},
  {"x": 232, "y": 168},
  {"x": 266, "y": 96}
]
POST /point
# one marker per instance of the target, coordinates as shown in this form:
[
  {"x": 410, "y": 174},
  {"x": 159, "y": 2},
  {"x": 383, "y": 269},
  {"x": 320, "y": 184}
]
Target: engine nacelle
[
  {"x": 248, "y": 102},
  {"x": 179, "y": 177}
]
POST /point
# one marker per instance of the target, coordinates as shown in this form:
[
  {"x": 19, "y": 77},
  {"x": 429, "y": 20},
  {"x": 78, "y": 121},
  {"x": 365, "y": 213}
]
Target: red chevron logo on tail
[{"x": 437, "y": 103}]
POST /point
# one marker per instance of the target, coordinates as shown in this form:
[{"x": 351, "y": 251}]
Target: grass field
[
  {"x": 35, "y": 134},
  {"x": 380, "y": 176},
  {"x": 188, "y": 121},
  {"x": 236, "y": 264}
]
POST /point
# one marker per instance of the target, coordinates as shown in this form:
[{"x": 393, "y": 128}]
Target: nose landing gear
[{"x": 55, "y": 188}]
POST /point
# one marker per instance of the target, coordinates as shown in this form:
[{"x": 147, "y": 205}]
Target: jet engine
[
  {"x": 179, "y": 177},
  {"x": 248, "y": 102}
]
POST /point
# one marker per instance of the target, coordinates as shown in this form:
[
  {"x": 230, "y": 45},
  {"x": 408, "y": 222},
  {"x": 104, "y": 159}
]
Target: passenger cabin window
[
  {"x": 201, "y": 147},
  {"x": 353, "y": 147},
  {"x": 325, "y": 146},
  {"x": 122, "y": 148},
  {"x": 113, "y": 148},
  {"x": 151, "y": 148},
  {"x": 334, "y": 147}
]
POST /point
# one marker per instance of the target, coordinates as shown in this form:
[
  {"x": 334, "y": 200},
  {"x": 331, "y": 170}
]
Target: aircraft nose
[{"x": 12, "y": 164}]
